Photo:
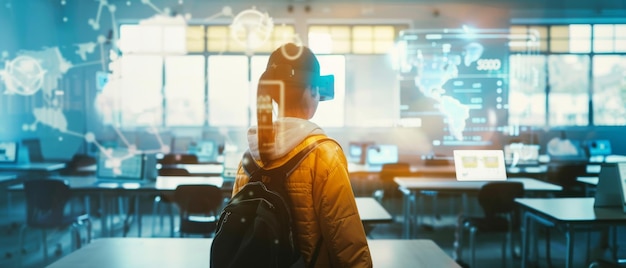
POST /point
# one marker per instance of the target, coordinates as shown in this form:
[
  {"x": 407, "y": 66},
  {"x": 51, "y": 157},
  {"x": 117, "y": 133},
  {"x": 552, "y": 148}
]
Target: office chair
[
  {"x": 199, "y": 207},
  {"x": 497, "y": 200},
  {"x": 166, "y": 199},
  {"x": 46, "y": 200}
]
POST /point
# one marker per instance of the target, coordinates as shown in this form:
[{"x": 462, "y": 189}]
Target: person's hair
[{"x": 290, "y": 69}]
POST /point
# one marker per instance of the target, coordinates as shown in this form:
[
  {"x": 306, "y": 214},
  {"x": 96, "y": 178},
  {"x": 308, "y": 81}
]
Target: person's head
[
  {"x": 291, "y": 79},
  {"x": 295, "y": 69}
]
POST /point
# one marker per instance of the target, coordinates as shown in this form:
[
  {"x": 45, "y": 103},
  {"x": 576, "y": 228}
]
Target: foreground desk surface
[{"x": 195, "y": 252}]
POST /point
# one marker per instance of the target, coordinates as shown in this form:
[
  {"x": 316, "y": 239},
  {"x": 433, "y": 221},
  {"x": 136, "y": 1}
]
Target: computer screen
[
  {"x": 181, "y": 145},
  {"x": 8, "y": 152},
  {"x": 119, "y": 164},
  {"x": 382, "y": 154},
  {"x": 231, "y": 164},
  {"x": 479, "y": 165},
  {"x": 521, "y": 154},
  {"x": 206, "y": 150},
  {"x": 355, "y": 151}
]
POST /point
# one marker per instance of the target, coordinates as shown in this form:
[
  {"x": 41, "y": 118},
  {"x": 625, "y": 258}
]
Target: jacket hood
[{"x": 289, "y": 131}]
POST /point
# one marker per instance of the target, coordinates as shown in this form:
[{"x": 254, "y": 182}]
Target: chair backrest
[
  {"x": 166, "y": 171},
  {"x": 198, "y": 199},
  {"x": 45, "y": 201},
  {"x": 499, "y": 197},
  {"x": 170, "y": 159},
  {"x": 391, "y": 170}
]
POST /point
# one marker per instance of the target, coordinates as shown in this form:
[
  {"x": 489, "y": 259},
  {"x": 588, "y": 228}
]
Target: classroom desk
[
  {"x": 359, "y": 169},
  {"x": 371, "y": 212},
  {"x": 202, "y": 169},
  {"x": 195, "y": 252},
  {"x": 590, "y": 184},
  {"x": 91, "y": 185},
  {"x": 6, "y": 177},
  {"x": 570, "y": 214},
  {"x": 409, "y": 186},
  {"x": 33, "y": 167},
  {"x": 588, "y": 180},
  {"x": 447, "y": 170}
]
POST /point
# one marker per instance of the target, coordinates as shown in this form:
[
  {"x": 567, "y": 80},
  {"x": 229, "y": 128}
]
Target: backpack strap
[{"x": 255, "y": 172}]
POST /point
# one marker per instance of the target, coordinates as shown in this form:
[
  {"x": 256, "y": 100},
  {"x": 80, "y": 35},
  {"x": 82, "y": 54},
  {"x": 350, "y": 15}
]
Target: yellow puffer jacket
[{"x": 323, "y": 205}]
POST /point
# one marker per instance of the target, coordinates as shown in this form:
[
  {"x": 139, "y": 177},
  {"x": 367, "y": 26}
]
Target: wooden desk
[
  {"x": 195, "y": 252},
  {"x": 409, "y": 186},
  {"x": 569, "y": 213}
]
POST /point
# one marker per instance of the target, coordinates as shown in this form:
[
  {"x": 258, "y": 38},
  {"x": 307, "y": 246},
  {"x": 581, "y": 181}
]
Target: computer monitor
[
  {"x": 519, "y": 154},
  {"x": 609, "y": 188},
  {"x": 181, "y": 145},
  {"x": 380, "y": 154},
  {"x": 599, "y": 148},
  {"x": 8, "y": 152},
  {"x": 357, "y": 151},
  {"x": 206, "y": 150},
  {"x": 479, "y": 165},
  {"x": 231, "y": 164},
  {"x": 34, "y": 150},
  {"x": 120, "y": 165}
]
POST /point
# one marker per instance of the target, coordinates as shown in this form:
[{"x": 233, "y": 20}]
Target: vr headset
[{"x": 324, "y": 83}]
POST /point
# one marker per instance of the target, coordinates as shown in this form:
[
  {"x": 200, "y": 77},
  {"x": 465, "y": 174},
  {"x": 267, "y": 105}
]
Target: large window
[
  {"x": 579, "y": 66},
  {"x": 195, "y": 75},
  {"x": 527, "y": 81},
  {"x": 568, "y": 98},
  {"x": 139, "y": 90},
  {"x": 353, "y": 39},
  {"x": 184, "y": 90},
  {"x": 232, "y": 95},
  {"x": 609, "y": 90},
  {"x": 228, "y": 91}
]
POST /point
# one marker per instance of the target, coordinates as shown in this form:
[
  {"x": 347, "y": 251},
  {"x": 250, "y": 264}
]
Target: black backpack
[{"x": 255, "y": 228}]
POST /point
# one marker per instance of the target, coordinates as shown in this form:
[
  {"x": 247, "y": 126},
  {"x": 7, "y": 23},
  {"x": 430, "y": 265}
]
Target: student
[{"x": 322, "y": 201}]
